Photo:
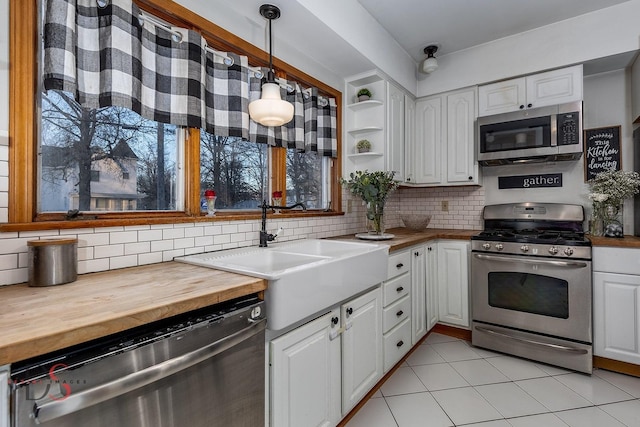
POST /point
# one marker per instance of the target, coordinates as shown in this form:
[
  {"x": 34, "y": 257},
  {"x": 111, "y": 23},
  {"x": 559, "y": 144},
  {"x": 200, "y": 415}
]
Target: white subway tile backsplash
[
  {"x": 149, "y": 258},
  {"x": 172, "y": 233},
  {"x": 102, "y": 249},
  {"x": 109, "y": 251},
  {"x": 93, "y": 265},
  {"x": 123, "y": 261},
  {"x": 8, "y": 262},
  {"x": 10, "y": 277},
  {"x": 123, "y": 237},
  {"x": 137, "y": 248}
]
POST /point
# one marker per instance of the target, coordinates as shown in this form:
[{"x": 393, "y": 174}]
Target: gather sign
[{"x": 601, "y": 151}]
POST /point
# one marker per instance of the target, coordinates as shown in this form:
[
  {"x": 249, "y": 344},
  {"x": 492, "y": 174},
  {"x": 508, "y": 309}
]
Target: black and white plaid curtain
[{"x": 104, "y": 53}]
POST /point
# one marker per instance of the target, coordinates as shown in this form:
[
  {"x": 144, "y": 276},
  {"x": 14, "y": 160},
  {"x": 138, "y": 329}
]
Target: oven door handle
[
  {"x": 532, "y": 342},
  {"x": 77, "y": 401},
  {"x": 521, "y": 260}
]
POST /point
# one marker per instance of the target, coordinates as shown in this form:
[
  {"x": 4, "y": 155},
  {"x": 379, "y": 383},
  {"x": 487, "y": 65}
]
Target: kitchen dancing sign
[{"x": 601, "y": 151}]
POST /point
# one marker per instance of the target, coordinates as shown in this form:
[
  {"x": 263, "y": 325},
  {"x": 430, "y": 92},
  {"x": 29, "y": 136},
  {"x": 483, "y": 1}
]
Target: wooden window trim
[{"x": 23, "y": 65}]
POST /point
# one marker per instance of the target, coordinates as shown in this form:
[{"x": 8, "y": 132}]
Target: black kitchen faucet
[{"x": 268, "y": 237}]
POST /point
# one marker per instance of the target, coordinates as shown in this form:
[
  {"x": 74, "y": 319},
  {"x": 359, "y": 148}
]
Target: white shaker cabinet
[
  {"x": 418, "y": 293},
  {"x": 431, "y": 285},
  {"x": 321, "y": 369},
  {"x": 361, "y": 347},
  {"x": 453, "y": 279},
  {"x": 306, "y": 374},
  {"x": 616, "y": 303},
  {"x": 533, "y": 91},
  {"x": 444, "y": 144},
  {"x": 395, "y": 131},
  {"x": 397, "y": 312}
]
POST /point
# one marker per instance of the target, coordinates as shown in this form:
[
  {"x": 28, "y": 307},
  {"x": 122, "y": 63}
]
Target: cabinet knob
[
  {"x": 399, "y": 289},
  {"x": 400, "y": 313},
  {"x": 349, "y": 311},
  {"x": 408, "y": 179},
  {"x": 335, "y": 320},
  {"x": 400, "y": 344},
  {"x": 416, "y": 253},
  {"x": 522, "y": 107},
  {"x": 429, "y": 248},
  {"x": 400, "y": 265},
  {"x": 470, "y": 178},
  {"x": 529, "y": 105}
]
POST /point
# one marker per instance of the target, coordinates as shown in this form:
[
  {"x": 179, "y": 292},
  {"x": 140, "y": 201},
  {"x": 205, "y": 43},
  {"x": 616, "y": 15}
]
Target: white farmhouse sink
[{"x": 305, "y": 276}]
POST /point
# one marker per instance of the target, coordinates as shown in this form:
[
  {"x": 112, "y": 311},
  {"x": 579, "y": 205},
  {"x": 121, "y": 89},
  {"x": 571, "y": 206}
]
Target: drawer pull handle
[
  {"x": 400, "y": 265},
  {"x": 399, "y": 289},
  {"x": 400, "y": 313},
  {"x": 400, "y": 344}
]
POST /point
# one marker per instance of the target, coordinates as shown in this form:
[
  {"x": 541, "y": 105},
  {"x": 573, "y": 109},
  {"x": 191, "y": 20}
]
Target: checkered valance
[{"x": 106, "y": 53}]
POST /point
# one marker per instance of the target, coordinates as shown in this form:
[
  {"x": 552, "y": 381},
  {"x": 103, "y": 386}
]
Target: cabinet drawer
[
  {"x": 399, "y": 263},
  {"x": 396, "y": 313},
  {"x": 395, "y": 289},
  {"x": 616, "y": 260},
  {"x": 397, "y": 343}
]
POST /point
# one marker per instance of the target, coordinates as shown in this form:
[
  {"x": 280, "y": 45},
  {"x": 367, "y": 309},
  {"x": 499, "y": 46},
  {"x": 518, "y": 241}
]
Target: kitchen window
[{"x": 166, "y": 190}]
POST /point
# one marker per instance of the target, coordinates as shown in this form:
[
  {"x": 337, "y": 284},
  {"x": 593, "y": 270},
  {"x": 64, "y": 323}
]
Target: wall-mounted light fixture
[
  {"x": 270, "y": 109},
  {"x": 430, "y": 64}
]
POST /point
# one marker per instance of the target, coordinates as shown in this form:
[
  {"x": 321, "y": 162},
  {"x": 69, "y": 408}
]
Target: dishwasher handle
[{"x": 75, "y": 402}]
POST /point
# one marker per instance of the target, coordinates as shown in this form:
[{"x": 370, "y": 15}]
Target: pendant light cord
[{"x": 270, "y": 75}]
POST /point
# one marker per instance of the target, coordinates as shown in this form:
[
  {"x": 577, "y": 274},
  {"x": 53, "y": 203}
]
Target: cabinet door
[
  {"x": 501, "y": 97},
  {"x": 409, "y": 138},
  {"x": 616, "y": 316},
  {"x": 429, "y": 140},
  {"x": 305, "y": 374},
  {"x": 461, "y": 117},
  {"x": 453, "y": 281},
  {"x": 361, "y": 347},
  {"x": 395, "y": 135},
  {"x": 418, "y": 290},
  {"x": 554, "y": 87},
  {"x": 431, "y": 285}
]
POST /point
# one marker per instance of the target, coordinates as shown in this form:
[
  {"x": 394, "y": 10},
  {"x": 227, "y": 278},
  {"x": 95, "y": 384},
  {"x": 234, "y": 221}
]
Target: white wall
[
  {"x": 606, "y": 103},
  {"x": 594, "y": 35}
]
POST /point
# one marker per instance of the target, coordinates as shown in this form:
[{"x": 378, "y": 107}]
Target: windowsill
[{"x": 98, "y": 222}]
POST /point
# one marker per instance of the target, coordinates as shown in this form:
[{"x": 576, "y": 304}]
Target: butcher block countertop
[
  {"x": 625, "y": 242},
  {"x": 35, "y": 321},
  {"x": 405, "y": 238}
]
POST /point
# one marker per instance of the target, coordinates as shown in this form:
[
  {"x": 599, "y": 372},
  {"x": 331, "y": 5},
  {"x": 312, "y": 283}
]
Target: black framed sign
[{"x": 602, "y": 151}]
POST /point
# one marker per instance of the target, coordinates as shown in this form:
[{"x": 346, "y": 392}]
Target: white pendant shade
[
  {"x": 270, "y": 109},
  {"x": 429, "y": 65}
]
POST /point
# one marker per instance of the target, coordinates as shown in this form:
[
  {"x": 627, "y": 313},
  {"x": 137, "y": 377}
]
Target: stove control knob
[
  {"x": 524, "y": 248},
  {"x": 486, "y": 246},
  {"x": 499, "y": 246},
  {"x": 568, "y": 251},
  {"x": 553, "y": 250}
]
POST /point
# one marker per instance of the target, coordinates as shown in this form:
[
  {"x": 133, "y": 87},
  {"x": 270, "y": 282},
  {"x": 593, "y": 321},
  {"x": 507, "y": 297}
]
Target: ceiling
[{"x": 460, "y": 24}]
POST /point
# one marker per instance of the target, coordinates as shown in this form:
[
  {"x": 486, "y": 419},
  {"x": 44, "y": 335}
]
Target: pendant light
[
  {"x": 430, "y": 64},
  {"x": 270, "y": 109}
]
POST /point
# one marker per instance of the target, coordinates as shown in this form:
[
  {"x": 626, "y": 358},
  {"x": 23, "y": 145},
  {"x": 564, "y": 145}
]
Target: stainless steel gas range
[{"x": 531, "y": 284}]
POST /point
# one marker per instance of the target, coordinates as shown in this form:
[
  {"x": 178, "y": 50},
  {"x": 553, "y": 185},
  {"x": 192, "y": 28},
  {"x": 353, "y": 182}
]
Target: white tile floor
[{"x": 446, "y": 382}]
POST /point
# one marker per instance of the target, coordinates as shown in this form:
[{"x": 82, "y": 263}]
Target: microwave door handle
[
  {"x": 554, "y": 130},
  {"x": 556, "y": 263},
  {"x": 112, "y": 389}
]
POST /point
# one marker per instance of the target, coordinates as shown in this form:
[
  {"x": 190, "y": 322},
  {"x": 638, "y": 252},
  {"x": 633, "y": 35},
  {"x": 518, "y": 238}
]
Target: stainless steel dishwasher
[{"x": 203, "y": 369}]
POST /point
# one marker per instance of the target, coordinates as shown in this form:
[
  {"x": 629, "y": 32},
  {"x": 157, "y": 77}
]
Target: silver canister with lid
[{"x": 52, "y": 261}]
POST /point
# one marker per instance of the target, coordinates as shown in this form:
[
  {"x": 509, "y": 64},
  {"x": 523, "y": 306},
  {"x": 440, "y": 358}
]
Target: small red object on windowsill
[{"x": 277, "y": 194}]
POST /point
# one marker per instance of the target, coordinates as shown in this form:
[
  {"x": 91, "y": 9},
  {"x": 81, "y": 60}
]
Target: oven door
[{"x": 543, "y": 295}]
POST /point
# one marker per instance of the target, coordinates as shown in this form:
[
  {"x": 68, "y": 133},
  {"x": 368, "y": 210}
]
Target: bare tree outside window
[
  {"x": 235, "y": 169},
  {"x": 306, "y": 178},
  {"x": 135, "y": 158}
]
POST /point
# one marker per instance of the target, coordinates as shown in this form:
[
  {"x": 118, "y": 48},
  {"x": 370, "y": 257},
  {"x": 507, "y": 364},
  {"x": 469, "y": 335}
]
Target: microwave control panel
[{"x": 568, "y": 128}]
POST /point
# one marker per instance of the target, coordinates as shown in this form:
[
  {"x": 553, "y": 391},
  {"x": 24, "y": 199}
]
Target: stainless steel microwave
[{"x": 542, "y": 134}]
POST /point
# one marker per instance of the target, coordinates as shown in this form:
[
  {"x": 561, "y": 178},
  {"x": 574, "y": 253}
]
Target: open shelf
[
  {"x": 368, "y": 154},
  {"x": 365, "y": 129},
  {"x": 364, "y": 105}
]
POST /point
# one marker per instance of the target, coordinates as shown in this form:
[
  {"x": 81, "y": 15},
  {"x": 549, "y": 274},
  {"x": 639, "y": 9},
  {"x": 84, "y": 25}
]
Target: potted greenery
[
  {"x": 363, "y": 146},
  {"x": 364, "y": 94},
  {"x": 373, "y": 188}
]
